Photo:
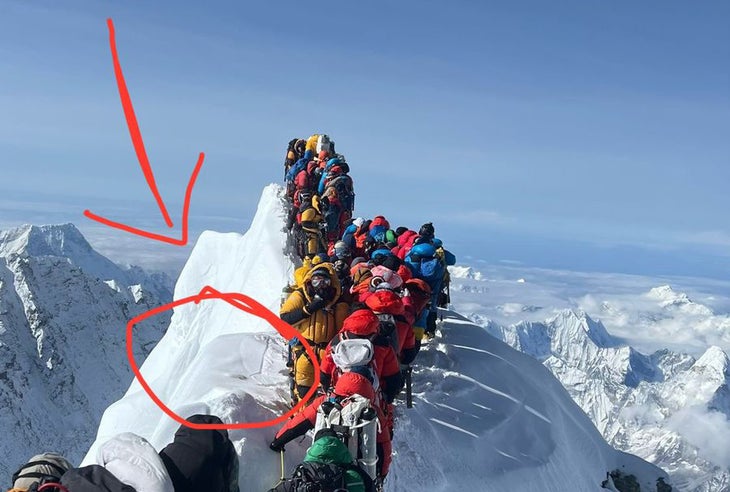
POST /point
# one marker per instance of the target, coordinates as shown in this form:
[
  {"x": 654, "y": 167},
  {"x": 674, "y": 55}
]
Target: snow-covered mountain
[
  {"x": 485, "y": 416},
  {"x": 665, "y": 407},
  {"x": 63, "y": 313}
]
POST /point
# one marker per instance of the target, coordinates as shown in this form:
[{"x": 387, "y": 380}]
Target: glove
[
  {"x": 276, "y": 446},
  {"x": 316, "y": 304}
]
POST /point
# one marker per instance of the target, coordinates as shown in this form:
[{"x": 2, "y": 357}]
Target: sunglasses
[{"x": 318, "y": 282}]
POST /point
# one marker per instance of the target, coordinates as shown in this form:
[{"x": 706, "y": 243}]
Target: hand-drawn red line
[
  {"x": 245, "y": 304},
  {"x": 144, "y": 163},
  {"x": 133, "y": 126},
  {"x": 158, "y": 237}
]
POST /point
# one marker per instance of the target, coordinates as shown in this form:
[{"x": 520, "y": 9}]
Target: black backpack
[
  {"x": 319, "y": 477},
  {"x": 388, "y": 331},
  {"x": 344, "y": 191}
]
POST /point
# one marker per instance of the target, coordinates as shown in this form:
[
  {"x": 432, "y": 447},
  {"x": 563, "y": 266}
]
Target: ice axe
[{"x": 409, "y": 387}]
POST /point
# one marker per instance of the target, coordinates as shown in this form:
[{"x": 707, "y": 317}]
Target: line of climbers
[
  {"x": 321, "y": 192},
  {"x": 363, "y": 299},
  {"x": 196, "y": 461}
]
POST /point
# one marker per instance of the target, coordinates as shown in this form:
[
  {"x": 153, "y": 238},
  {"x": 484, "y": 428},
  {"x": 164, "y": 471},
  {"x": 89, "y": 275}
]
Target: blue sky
[{"x": 587, "y": 135}]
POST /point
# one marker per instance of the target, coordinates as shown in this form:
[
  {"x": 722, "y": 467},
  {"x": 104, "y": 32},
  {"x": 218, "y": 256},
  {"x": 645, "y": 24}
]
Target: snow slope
[
  {"x": 485, "y": 417},
  {"x": 63, "y": 308},
  {"x": 668, "y": 407}
]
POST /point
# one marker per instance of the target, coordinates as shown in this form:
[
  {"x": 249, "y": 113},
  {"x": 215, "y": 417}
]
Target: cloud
[
  {"x": 708, "y": 431},
  {"x": 620, "y": 301},
  {"x": 647, "y": 325},
  {"x": 129, "y": 249}
]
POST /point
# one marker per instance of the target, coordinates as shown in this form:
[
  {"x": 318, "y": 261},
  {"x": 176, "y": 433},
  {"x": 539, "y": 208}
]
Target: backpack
[
  {"x": 426, "y": 264},
  {"x": 355, "y": 422},
  {"x": 356, "y": 355},
  {"x": 361, "y": 235},
  {"x": 294, "y": 152},
  {"x": 389, "y": 330},
  {"x": 342, "y": 185},
  {"x": 431, "y": 270},
  {"x": 319, "y": 477},
  {"x": 324, "y": 143}
]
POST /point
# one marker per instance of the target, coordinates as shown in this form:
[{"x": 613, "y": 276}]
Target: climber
[
  {"x": 404, "y": 243},
  {"x": 328, "y": 465},
  {"x": 341, "y": 258},
  {"x": 395, "y": 323},
  {"x": 355, "y": 235},
  {"x": 294, "y": 152},
  {"x": 362, "y": 324},
  {"x": 427, "y": 266},
  {"x": 316, "y": 311},
  {"x": 196, "y": 460},
  {"x": 416, "y": 296},
  {"x": 295, "y": 169},
  {"x": 40, "y": 469},
  {"x": 310, "y": 224},
  {"x": 348, "y": 384}
]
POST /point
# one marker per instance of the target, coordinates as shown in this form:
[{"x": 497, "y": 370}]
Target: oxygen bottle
[{"x": 368, "y": 455}]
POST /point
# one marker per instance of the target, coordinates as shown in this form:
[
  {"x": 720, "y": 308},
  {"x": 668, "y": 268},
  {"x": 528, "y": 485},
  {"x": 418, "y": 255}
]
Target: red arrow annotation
[
  {"x": 144, "y": 162},
  {"x": 247, "y": 305}
]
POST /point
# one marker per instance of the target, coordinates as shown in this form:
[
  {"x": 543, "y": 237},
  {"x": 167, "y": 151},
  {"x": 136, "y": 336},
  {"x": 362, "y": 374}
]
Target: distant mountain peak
[
  {"x": 714, "y": 362},
  {"x": 573, "y": 322},
  {"x": 459, "y": 271},
  {"x": 63, "y": 310},
  {"x": 670, "y": 298},
  {"x": 44, "y": 240}
]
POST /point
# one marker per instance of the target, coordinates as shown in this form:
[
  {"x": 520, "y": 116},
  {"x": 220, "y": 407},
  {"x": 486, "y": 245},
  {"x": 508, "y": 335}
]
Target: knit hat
[
  {"x": 360, "y": 272},
  {"x": 427, "y": 230},
  {"x": 385, "y": 301},
  {"x": 387, "y": 275},
  {"x": 418, "y": 285},
  {"x": 323, "y": 272}
]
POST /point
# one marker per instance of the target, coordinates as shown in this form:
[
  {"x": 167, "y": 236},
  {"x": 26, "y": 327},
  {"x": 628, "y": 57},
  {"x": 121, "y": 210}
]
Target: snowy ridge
[
  {"x": 485, "y": 417},
  {"x": 63, "y": 309},
  {"x": 648, "y": 405}
]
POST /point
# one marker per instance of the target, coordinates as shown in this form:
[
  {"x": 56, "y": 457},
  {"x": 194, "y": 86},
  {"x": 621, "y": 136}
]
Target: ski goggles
[{"x": 320, "y": 281}]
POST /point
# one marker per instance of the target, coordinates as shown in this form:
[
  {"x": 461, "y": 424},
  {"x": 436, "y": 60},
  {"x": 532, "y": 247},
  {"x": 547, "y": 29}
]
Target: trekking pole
[{"x": 409, "y": 387}]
